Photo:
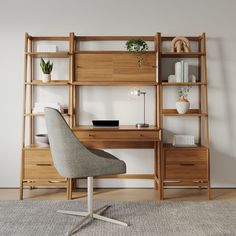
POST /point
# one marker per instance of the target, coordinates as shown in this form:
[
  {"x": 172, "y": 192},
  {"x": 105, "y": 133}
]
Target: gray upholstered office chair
[{"x": 74, "y": 160}]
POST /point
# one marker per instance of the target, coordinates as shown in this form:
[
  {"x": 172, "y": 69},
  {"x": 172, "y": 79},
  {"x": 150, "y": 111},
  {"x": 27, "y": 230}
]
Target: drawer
[
  {"x": 186, "y": 163},
  {"x": 38, "y": 164},
  {"x": 114, "y": 135}
]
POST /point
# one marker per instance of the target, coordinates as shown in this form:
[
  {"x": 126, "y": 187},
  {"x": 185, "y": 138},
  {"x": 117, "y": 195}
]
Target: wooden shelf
[
  {"x": 42, "y": 114},
  {"x": 113, "y": 38},
  {"x": 182, "y": 54},
  {"x": 51, "y": 83},
  {"x": 173, "y": 112},
  {"x": 190, "y": 38},
  {"x": 170, "y": 146},
  {"x": 112, "y": 83},
  {"x": 183, "y": 83},
  {"x": 36, "y": 146},
  {"x": 49, "y": 38},
  {"x": 109, "y": 51},
  {"x": 48, "y": 54}
]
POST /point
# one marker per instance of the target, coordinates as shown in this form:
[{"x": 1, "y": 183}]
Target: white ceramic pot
[
  {"x": 46, "y": 78},
  {"x": 182, "y": 105},
  {"x": 41, "y": 139}
]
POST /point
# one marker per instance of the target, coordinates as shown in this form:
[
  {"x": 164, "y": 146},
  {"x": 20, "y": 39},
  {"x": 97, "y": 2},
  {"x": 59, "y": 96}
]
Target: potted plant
[
  {"x": 183, "y": 105},
  {"x": 137, "y": 46},
  {"x": 46, "y": 69}
]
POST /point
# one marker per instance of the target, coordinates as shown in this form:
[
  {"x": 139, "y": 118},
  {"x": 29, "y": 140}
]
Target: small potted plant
[
  {"x": 183, "y": 105},
  {"x": 137, "y": 46},
  {"x": 46, "y": 69}
]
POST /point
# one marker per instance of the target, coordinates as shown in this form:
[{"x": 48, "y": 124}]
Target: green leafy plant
[
  {"x": 46, "y": 66},
  {"x": 183, "y": 91},
  {"x": 137, "y": 46}
]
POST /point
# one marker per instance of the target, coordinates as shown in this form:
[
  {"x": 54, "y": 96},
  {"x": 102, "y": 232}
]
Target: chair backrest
[{"x": 67, "y": 152}]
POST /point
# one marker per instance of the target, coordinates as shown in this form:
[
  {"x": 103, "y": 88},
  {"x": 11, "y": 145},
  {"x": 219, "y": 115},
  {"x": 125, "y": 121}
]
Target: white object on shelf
[
  {"x": 47, "y": 48},
  {"x": 192, "y": 78},
  {"x": 182, "y": 105},
  {"x": 171, "y": 78},
  {"x": 185, "y": 70},
  {"x": 39, "y": 107},
  {"x": 182, "y": 71},
  {"x": 42, "y": 139},
  {"x": 46, "y": 78},
  {"x": 182, "y": 140},
  {"x": 178, "y": 73}
]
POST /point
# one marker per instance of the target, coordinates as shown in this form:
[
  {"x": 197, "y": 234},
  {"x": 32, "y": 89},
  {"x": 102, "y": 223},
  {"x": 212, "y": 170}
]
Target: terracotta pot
[{"x": 182, "y": 105}]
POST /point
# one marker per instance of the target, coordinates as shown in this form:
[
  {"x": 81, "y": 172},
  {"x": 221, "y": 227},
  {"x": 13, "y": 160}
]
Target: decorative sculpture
[{"x": 180, "y": 44}]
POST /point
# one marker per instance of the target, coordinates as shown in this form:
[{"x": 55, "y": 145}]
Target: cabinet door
[
  {"x": 93, "y": 67},
  {"x": 126, "y": 68},
  {"x": 115, "y": 67}
]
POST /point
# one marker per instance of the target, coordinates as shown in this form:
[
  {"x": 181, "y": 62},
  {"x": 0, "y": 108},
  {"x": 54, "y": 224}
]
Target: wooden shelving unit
[
  {"x": 186, "y": 166},
  {"x": 117, "y": 68},
  {"x": 37, "y": 168}
]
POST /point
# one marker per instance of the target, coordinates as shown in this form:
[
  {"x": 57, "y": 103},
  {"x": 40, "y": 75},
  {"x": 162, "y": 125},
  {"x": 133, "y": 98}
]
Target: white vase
[
  {"x": 182, "y": 105},
  {"x": 46, "y": 78}
]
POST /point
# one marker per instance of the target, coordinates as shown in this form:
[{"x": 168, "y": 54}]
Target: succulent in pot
[
  {"x": 137, "y": 46},
  {"x": 183, "y": 105},
  {"x": 46, "y": 69}
]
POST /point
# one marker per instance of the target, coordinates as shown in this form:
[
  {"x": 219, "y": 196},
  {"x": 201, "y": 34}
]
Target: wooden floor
[{"x": 120, "y": 194}]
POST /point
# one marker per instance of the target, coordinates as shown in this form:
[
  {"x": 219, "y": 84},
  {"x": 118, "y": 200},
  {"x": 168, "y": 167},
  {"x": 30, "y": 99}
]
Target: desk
[{"x": 125, "y": 137}]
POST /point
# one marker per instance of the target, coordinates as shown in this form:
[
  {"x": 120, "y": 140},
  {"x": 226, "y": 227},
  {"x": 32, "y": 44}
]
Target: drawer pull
[
  {"x": 91, "y": 135},
  {"x": 187, "y": 164},
  {"x": 43, "y": 164}
]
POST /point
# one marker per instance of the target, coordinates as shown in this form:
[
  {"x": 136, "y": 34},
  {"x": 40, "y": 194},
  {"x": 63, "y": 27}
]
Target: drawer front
[
  {"x": 186, "y": 164},
  {"x": 39, "y": 165},
  {"x": 114, "y": 135}
]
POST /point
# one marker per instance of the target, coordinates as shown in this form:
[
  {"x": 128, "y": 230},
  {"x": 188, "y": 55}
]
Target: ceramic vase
[
  {"x": 182, "y": 105},
  {"x": 46, "y": 78}
]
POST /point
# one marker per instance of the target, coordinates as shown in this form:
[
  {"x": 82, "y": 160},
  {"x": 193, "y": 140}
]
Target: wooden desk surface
[
  {"x": 120, "y": 128},
  {"x": 124, "y": 136}
]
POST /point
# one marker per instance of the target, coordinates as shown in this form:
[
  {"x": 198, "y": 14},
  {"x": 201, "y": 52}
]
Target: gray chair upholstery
[
  {"x": 74, "y": 160},
  {"x": 71, "y": 158}
]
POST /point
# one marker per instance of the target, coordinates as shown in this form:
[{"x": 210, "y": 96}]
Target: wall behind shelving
[{"x": 133, "y": 17}]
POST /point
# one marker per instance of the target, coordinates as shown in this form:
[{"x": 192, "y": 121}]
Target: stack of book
[{"x": 182, "y": 71}]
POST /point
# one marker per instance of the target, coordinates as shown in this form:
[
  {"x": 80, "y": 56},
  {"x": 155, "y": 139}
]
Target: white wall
[{"x": 133, "y": 17}]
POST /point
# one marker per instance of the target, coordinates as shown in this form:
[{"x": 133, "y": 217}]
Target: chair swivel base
[{"x": 89, "y": 217}]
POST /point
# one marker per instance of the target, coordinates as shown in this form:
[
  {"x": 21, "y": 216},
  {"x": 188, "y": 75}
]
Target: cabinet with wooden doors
[{"x": 185, "y": 166}]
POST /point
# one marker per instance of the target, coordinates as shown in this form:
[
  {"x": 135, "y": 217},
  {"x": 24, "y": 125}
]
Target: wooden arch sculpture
[{"x": 180, "y": 44}]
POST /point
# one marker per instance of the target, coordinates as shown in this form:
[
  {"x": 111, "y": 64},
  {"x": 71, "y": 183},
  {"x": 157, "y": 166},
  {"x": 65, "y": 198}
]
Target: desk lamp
[{"x": 138, "y": 92}]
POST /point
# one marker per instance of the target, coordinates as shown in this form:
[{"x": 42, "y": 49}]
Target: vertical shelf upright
[{"x": 186, "y": 166}]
